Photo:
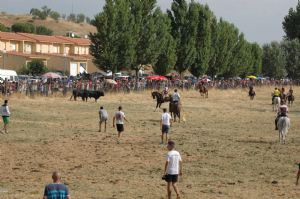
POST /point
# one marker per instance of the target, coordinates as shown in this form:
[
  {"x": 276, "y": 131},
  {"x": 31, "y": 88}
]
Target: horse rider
[
  {"x": 276, "y": 93},
  {"x": 175, "y": 97},
  {"x": 282, "y": 112},
  {"x": 283, "y": 94},
  {"x": 165, "y": 92}
]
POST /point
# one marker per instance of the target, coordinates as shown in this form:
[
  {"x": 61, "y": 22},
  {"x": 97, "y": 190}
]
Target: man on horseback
[
  {"x": 175, "y": 97},
  {"x": 282, "y": 112},
  {"x": 165, "y": 92},
  {"x": 276, "y": 93}
]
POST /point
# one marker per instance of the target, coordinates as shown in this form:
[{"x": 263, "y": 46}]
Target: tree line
[
  {"x": 188, "y": 37},
  {"x": 282, "y": 59},
  {"x": 46, "y": 12},
  {"x": 133, "y": 34},
  {"x": 26, "y": 28}
]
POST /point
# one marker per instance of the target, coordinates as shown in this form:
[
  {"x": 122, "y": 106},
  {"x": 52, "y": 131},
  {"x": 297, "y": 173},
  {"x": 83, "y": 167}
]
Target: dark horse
[
  {"x": 203, "y": 90},
  {"x": 159, "y": 99},
  {"x": 291, "y": 97},
  {"x": 251, "y": 93},
  {"x": 175, "y": 109}
]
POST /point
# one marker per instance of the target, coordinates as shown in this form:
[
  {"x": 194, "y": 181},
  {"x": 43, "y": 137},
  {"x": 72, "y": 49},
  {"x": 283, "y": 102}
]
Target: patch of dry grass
[{"x": 228, "y": 144}]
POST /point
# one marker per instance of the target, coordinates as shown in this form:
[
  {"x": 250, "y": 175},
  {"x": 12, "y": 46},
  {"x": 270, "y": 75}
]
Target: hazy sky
[{"x": 259, "y": 20}]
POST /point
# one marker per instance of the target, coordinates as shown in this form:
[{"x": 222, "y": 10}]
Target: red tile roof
[
  {"x": 10, "y": 36},
  {"x": 45, "y": 38},
  {"x": 77, "y": 41}
]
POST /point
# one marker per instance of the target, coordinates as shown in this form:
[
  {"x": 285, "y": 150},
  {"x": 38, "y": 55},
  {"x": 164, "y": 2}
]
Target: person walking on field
[
  {"x": 56, "y": 190},
  {"x": 103, "y": 115},
  {"x": 5, "y": 115},
  {"x": 165, "y": 123},
  {"x": 173, "y": 168},
  {"x": 119, "y": 121}
]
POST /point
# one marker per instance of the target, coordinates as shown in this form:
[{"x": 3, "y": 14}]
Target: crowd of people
[{"x": 46, "y": 87}]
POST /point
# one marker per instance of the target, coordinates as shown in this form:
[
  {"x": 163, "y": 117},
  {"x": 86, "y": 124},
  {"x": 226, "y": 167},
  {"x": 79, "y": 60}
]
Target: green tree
[
  {"x": 184, "y": 30},
  {"x": 72, "y": 17},
  {"x": 55, "y": 15},
  {"x": 80, "y": 18},
  {"x": 167, "y": 57},
  {"x": 46, "y": 11},
  {"x": 291, "y": 23},
  {"x": 145, "y": 43},
  {"x": 36, "y": 13},
  {"x": 274, "y": 60},
  {"x": 103, "y": 43},
  {"x": 36, "y": 67},
  {"x": 23, "y": 27},
  {"x": 292, "y": 54},
  {"x": 42, "y": 30},
  {"x": 203, "y": 40},
  {"x": 3, "y": 28}
]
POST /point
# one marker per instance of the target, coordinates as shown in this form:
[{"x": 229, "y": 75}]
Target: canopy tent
[
  {"x": 157, "y": 78},
  {"x": 252, "y": 77},
  {"x": 51, "y": 75}
]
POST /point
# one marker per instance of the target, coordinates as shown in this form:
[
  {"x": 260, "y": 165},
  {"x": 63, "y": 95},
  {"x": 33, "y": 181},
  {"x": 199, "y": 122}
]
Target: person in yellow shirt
[{"x": 276, "y": 93}]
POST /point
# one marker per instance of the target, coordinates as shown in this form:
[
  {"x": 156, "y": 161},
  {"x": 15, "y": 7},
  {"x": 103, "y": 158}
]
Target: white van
[{"x": 10, "y": 75}]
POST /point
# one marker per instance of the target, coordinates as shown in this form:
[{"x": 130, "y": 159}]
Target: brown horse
[
  {"x": 175, "y": 109},
  {"x": 291, "y": 97},
  {"x": 203, "y": 90},
  {"x": 159, "y": 99},
  {"x": 251, "y": 93}
]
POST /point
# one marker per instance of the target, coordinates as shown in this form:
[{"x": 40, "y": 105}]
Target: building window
[
  {"x": 27, "y": 48},
  {"x": 13, "y": 47}
]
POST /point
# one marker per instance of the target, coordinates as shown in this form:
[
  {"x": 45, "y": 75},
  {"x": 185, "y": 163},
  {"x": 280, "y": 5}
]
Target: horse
[
  {"x": 283, "y": 125},
  {"x": 159, "y": 99},
  {"x": 251, "y": 93},
  {"x": 276, "y": 103},
  {"x": 175, "y": 109},
  {"x": 203, "y": 90},
  {"x": 290, "y": 97}
]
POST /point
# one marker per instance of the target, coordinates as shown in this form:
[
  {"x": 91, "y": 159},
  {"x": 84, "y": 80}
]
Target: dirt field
[{"x": 228, "y": 144}]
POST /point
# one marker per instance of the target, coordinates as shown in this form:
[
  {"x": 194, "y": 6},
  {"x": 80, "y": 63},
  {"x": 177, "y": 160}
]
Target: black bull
[{"x": 84, "y": 94}]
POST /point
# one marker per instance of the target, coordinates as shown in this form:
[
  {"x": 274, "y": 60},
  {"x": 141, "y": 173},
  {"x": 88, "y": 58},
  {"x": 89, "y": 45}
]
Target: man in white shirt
[
  {"x": 119, "y": 120},
  {"x": 5, "y": 115},
  {"x": 173, "y": 168},
  {"x": 175, "y": 96},
  {"x": 165, "y": 124}
]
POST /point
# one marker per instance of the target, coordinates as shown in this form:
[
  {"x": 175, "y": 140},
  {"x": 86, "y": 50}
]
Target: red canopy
[{"x": 157, "y": 78}]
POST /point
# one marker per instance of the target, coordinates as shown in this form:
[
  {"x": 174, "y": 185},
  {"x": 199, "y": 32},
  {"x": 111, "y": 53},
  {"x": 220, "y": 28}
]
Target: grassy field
[{"x": 228, "y": 145}]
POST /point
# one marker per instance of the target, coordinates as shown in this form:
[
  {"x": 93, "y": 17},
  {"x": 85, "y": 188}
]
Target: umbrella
[
  {"x": 157, "y": 78},
  {"x": 51, "y": 75},
  {"x": 251, "y": 77}
]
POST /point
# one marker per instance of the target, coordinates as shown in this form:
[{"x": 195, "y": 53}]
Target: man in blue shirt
[{"x": 56, "y": 190}]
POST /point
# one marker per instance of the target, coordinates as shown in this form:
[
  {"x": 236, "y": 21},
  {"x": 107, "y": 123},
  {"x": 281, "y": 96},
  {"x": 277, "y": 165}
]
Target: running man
[
  {"x": 119, "y": 121},
  {"x": 173, "y": 168},
  {"x": 103, "y": 116},
  {"x": 165, "y": 123},
  {"x": 5, "y": 115}
]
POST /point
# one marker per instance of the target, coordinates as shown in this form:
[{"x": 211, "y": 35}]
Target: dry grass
[
  {"x": 228, "y": 144},
  {"x": 59, "y": 28}
]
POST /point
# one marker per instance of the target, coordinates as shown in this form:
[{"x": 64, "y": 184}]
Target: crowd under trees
[{"x": 132, "y": 34}]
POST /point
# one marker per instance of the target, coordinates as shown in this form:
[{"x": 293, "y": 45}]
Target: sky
[{"x": 259, "y": 20}]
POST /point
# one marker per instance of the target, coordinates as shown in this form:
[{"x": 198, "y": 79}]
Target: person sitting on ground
[
  {"x": 103, "y": 116},
  {"x": 176, "y": 97},
  {"x": 56, "y": 190},
  {"x": 281, "y": 112}
]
